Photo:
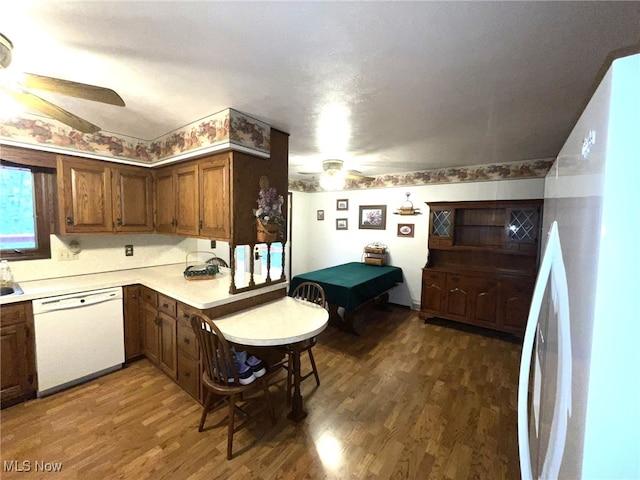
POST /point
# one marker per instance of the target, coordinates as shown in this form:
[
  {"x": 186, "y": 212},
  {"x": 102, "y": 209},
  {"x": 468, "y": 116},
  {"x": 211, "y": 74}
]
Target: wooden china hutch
[{"x": 482, "y": 263}]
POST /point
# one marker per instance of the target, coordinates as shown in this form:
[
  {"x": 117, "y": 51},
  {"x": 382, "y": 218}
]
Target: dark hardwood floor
[{"x": 404, "y": 400}]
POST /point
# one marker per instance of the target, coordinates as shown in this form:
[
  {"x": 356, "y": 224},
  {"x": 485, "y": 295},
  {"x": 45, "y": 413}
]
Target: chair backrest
[
  {"x": 217, "y": 355},
  {"x": 218, "y": 261},
  {"x": 311, "y": 292}
]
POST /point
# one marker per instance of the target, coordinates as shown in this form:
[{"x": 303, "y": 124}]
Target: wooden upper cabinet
[
  {"x": 194, "y": 198},
  {"x": 177, "y": 199},
  {"x": 132, "y": 192},
  {"x": 214, "y": 198},
  {"x": 165, "y": 201},
  {"x": 186, "y": 184},
  {"x": 84, "y": 190},
  {"x": 100, "y": 197}
]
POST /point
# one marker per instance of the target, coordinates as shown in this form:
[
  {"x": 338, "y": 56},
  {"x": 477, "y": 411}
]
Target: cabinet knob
[
  {"x": 186, "y": 340},
  {"x": 165, "y": 305},
  {"x": 185, "y": 315},
  {"x": 69, "y": 220},
  {"x": 119, "y": 222}
]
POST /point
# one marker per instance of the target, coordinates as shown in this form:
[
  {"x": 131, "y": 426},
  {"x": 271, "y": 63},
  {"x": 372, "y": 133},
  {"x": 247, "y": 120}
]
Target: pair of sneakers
[{"x": 249, "y": 367}]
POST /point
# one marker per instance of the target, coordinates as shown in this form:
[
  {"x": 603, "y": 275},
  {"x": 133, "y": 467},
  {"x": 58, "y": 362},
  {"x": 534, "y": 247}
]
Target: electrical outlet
[
  {"x": 64, "y": 255},
  {"x": 213, "y": 244},
  {"x": 128, "y": 250}
]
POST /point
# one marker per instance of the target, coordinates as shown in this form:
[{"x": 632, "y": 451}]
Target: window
[{"x": 25, "y": 211}]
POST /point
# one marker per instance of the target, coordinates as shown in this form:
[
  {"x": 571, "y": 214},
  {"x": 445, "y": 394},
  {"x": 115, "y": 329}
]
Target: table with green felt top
[{"x": 351, "y": 286}]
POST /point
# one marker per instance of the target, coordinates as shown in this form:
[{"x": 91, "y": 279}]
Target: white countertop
[
  {"x": 166, "y": 279},
  {"x": 279, "y": 322}
]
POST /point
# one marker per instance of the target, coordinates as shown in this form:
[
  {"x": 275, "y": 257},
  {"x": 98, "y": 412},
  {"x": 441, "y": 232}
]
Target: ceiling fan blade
[
  {"x": 51, "y": 110},
  {"x": 355, "y": 175},
  {"x": 73, "y": 89}
]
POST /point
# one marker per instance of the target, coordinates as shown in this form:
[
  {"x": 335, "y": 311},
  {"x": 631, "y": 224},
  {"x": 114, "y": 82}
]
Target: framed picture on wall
[
  {"x": 405, "y": 229},
  {"x": 320, "y": 215},
  {"x": 342, "y": 204},
  {"x": 342, "y": 224},
  {"x": 373, "y": 217}
]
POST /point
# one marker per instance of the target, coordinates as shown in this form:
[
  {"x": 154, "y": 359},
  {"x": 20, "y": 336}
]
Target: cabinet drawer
[
  {"x": 185, "y": 312},
  {"x": 149, "y": 296},
  {"x": 189, "y": 375},
  {"x": 187, "y": 342},
  {"x": 167, "y": 305},
  {"x": 13, "y": 313}
]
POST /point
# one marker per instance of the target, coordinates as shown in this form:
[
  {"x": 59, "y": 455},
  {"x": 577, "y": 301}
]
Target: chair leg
[
  {"x": 205, "y": 410},
  {"x": 267, "y": 396},
  {"x": 289, "y": 378},
  {"x": 232, "y": 411},
  {"x": 313, "y": 366}
]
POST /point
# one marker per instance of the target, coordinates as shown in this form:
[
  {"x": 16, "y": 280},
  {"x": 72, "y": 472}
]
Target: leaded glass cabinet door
[
  {"x": 523, "y": 228},
  {"x": 441, "y": 226}
]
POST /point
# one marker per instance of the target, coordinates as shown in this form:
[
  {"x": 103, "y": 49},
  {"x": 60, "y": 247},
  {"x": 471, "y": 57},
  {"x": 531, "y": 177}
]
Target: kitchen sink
[{"x": 11, "y": 290}]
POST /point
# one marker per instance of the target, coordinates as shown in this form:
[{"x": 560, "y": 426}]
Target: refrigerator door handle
[{"x": 552, "y": 267}]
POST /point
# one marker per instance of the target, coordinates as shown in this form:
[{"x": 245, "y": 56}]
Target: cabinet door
[
  {"x": 516, "y": 298},
  {"x": 151, "y": 332},
  {"x": 441, "y": 226},
  {"x": 458, "y": 296},
  {"x": 187, "y": 200},
  {"x": 165, "y": 201},
  {"x": 17, "y": 362},
  {"x": 433, "y": 291},
  {"x": 132, "y": 199},
  {"x": 189, "y": 374},
  {"x": 485, "y": 302},
  {"x": 84, "y": 190},
  {"x": 133, "y": 327},
  {"x": 168, "y": 351},
  {"x": 214, "y": 199},
  {"x": 523, "y": 229},
  {"x": 13, "y": 340}
]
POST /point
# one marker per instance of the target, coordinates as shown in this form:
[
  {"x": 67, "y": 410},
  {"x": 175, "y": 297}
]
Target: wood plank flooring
[{"x": 404, "y": 400}]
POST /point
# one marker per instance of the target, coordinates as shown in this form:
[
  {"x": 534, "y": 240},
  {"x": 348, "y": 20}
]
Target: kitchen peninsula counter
[{"x": 166, "y": 279}]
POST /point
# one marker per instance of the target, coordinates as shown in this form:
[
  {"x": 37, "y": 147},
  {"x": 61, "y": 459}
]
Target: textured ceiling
[{"x": 388, "y": 87}]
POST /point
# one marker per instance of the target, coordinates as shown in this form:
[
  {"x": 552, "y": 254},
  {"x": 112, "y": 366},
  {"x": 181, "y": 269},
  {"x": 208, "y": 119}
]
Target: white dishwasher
[{"x": 78, "y": 337}]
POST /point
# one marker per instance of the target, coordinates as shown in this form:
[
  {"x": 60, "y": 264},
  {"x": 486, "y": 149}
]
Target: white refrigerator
[{"x": 579, "y": 391}]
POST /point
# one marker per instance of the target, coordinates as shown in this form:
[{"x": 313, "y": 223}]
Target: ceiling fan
[
  {"x": 334, "y": 168},
  {"x": 20, "y": 92}
]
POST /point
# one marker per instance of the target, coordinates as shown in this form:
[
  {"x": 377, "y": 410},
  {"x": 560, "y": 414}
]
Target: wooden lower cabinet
[
  {"x": 18, "y": 374},
  {"x": 169, "y": 341},
  {"x": 159, "y": 331},
  {"x": 515, "y": 299},
  {"x": 496, "y": 302},
  {"x": 133, "y": 326}
]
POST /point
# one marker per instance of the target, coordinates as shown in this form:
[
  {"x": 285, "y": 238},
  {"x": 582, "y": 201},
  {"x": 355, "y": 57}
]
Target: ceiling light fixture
[
  {"x": 5, "y": 51},
  {"x": 334, "y": 176}
]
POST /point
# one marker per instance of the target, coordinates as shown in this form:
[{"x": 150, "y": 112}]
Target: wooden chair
[
  {"x": 220, "y": 376},
  {"x": 310, "y": 292}
]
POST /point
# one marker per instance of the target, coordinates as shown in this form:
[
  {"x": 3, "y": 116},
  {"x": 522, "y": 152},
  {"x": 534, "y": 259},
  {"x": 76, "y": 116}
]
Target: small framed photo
[
  {"x": 373, "y": 217},
  {"x": 342, "y": 204},
  {"x": 342, "y": 224},
  {"x": 405, "y": 229},
  {"x": 320, "y": 215}
]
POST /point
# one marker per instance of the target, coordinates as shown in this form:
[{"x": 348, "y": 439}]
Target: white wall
[
  {"x": 317, "y": 244},
  {"x": 104, "y": 253}
]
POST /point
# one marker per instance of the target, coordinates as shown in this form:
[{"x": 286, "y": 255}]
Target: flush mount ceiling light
[{"x": 19, "y": 92}]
